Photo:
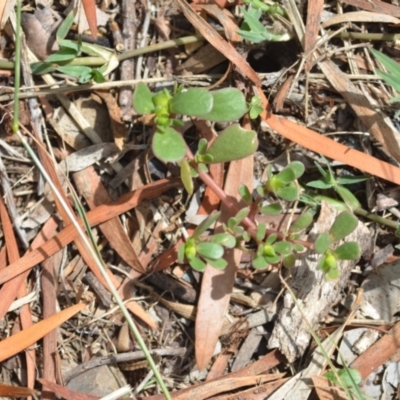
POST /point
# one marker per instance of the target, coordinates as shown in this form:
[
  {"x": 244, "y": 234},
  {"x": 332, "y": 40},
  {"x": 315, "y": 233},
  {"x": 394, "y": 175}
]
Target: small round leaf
[
  {"x": 169, "y": 145},
  {"x": 142, "y": 99},
  {"x": 322, "y": 243},
  {"x": 344, "y": 224},
  {"x": 210, "y": 250},
  {"x": 233, "y": 143},
  {"x": 194, "y": 102},
  {"x": 301, "y": 223},
  {"x": 186, "y": 176},
  {"x": 283, "y": 247},
  {"x": 224, "y": 239},
  {"x": 289, "y": 261},
  {"x": 348, "y": 251},
  {"x": 288, "y": 193},
  {"x": 197, "y": 264},
  {"x": 218, "y": 264},
  {"x": 229, "y": 105},
  {"x": 260, "y": 263},
  {"x": 271, "y": 209}
]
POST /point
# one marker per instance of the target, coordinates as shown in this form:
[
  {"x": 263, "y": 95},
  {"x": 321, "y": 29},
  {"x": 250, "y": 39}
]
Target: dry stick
[{"x": 128, "y": 13}]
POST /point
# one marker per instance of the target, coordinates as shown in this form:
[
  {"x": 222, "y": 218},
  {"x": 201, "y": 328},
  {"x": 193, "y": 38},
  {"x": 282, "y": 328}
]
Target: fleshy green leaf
[
  {"x": 322, "y": 243},
  {"x": 244, "y": 193},
  {"x": 224, "y": 239},
  {"x": 142, "y": 99},
  {"x": 64, "y": 54},
  {"x": 289, "y": 261},
  {"x": 299, "y": 248},
  {"x": 233, "y": 143},
  {"x": 298, "y": 168},
  {"x": 272, "y": 209},
  {"x": 206, "y": 224},
  {"x": 283, "y": 247},
  {"x": 344, "y": 224},
  {"x": 301, "y": 223},
  {"x": 210, "y": 250},
  {"x": 272, "y": 259},
  {"x": 197, "y": 264},
  {"x": 169, "y": 146},
  {"x": 261, "y": 229},
  {"x": 260, "y": 263},
  {"x": 202, "y": 146},
  {"x": 218, "y": 264},
  {"x": 229, "y": 105},
  {"x": 181, "y": 253},
  {"x": 287, "y": 175},
  {"x": 242, "y": 214},
  {"x": 332, "y": 274},
  {"x": 186, "y": 176},
  {"x": 349, "y": 377},
  {"x": 348, "y": 251},
  {"x": 193, "y": 102},
  {"x": 288, "y": 193},
  {"x": 271, "y": 238}
]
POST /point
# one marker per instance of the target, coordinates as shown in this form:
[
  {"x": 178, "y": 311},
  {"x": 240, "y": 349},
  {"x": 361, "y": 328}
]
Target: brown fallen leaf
[
  {"x": 217, "y": 285},
  {"x": 16, "y": 391},
  {"x": 378, "y": 353},
  {"x": 91, "y": 187},
  {"x": 314, "y": 11},
  {"x": 376, "y": 6},
  {"x": 100, "y": 214},
  {"x": 23, "y": 339},
  {"x": 90, "y": 11},
  {"x": 66, "y": 393},
  {"x": 119, "y": 131},
  {"x": 326, "y": 390},
  {"x": 212, "y": 36},
  {"x": 328, "y": 147}
]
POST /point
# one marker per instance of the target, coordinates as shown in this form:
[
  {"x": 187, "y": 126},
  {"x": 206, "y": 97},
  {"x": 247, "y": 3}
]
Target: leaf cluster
[
  {"x": 254, "y": 31},
  {"x": 274, "y": 248},
  {"x": 344, "y": 224},
  {"x": 224, "y": 105},
  {"x": 210, "y": 250}
]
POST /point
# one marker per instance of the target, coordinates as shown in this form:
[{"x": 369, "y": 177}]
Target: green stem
[{"x": 17, "y": 68}]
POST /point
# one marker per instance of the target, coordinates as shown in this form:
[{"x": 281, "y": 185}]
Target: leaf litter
[{"x": 238, "y": 331}]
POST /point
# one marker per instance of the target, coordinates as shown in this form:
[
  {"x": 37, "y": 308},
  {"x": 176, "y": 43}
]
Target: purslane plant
[
  {"x": 272, "y": 248},
  {"x": 224, "y": 105}
]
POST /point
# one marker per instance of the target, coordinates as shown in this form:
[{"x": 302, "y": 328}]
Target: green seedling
[
  {"x": 283, "y": 184},
  {"x": 69, "y": 50},
  {"x": 224, "y": 105},
  {"x": 255, "y": 107},
  {"x": 200, "y": 251},
  {"x": 254, "y": 31},
  {"x": 234, "y": 228},
  {"x": 329, "y": 181},
  {"x": 271, "y": 251},
  {"x": 349, "y": 377},
  {"x": 392, "y": 77},
  {"x": 344, "y": 224}
]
